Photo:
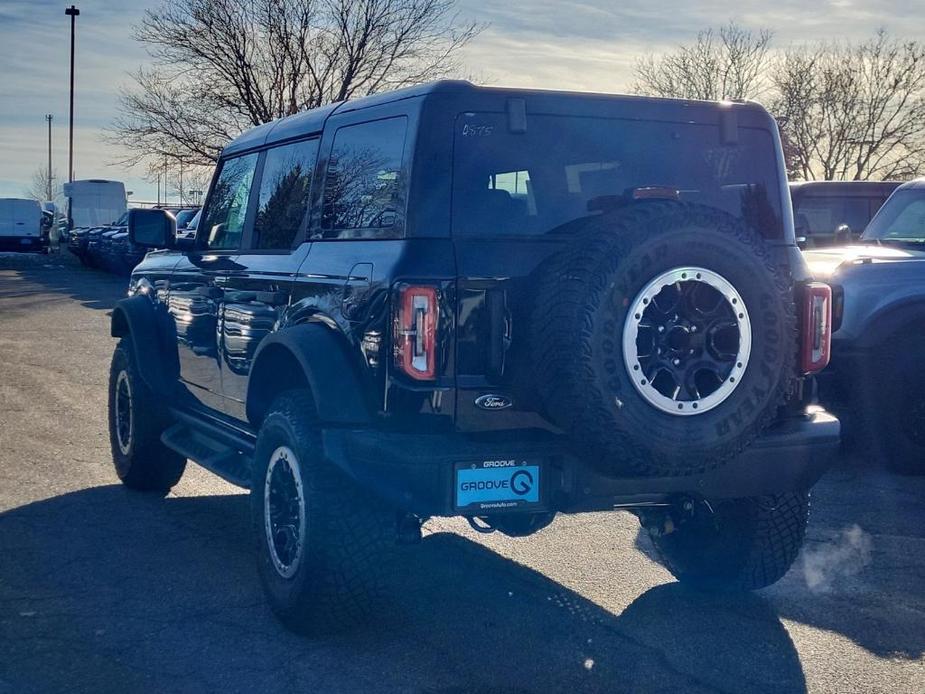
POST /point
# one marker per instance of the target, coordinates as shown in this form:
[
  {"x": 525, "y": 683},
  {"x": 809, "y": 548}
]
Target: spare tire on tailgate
[{"x": 665, "y": 338}]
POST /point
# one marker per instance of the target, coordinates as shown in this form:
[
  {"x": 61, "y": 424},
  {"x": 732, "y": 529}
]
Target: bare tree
[
  {"x": 38, "y": 187},
  {"x": 222, "y": 66},
  {"x": 730, "y": 63},
  {"x": 853, "y": 111}
]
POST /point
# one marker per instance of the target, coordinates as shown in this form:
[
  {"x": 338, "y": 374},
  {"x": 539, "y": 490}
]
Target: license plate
[{"x": 498, "y": 485}]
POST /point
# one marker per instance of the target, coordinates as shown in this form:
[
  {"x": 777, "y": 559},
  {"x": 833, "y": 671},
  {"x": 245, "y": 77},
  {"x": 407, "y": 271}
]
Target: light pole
[
  {"x": 48, "y": 117},
  {"x": 71, "y": 12}
]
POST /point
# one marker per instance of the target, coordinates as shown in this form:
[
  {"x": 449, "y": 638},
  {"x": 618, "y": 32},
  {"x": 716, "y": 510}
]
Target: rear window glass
[
  {"x": 565, "y": 169},
  {"x": 823, "y": 215}
]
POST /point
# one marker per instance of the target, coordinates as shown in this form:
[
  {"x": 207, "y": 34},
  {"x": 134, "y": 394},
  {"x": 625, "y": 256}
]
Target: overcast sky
[{"x": 540, "y": 43}]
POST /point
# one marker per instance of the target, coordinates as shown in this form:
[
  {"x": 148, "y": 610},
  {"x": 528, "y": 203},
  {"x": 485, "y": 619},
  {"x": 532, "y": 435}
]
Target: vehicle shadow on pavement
[
  {"x": 855, "y": 575},
  {"x": 108, "y": 590},
  {"x": 61, "y": 273}
]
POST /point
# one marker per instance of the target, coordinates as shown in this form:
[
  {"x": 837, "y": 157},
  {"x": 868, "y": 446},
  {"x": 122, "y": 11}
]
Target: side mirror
[{"x": 152, "y": 228}]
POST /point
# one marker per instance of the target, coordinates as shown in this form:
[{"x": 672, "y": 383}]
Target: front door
[{"x": 198, "y": 282}]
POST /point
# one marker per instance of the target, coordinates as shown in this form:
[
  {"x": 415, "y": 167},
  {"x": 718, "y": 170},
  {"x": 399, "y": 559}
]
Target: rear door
[{"x": 256, "y": 291}]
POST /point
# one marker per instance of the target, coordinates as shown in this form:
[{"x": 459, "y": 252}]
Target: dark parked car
[
  {"x": 99, "y": 244},
  {"x": 877, "y": 381},
  {"x": 491, "y": 303},
  {"x": 827, "y": 213},
  {"x": 77, "y": 243}
]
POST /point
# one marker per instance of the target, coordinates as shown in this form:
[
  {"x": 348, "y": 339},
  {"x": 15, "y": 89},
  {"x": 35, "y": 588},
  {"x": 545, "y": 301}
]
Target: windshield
[
  {"x": 901, "y": 219},
  {"x": 184, "y": 216},
  {"x": 567, "y": 168}
]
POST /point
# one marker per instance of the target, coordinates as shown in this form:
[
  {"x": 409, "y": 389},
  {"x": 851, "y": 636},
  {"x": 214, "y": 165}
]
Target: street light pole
[
  {"x": 71, "y": 12},
  {"x": 48, "y": 117}
]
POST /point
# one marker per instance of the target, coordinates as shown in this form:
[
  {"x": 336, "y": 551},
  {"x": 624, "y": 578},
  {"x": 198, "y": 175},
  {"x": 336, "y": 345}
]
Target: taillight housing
[
  {"x": 415, "y": 331},
  {"x": 816, "y": 347}
]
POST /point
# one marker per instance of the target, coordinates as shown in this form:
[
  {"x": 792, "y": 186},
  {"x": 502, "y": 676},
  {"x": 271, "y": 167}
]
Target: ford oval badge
[{"x": 493, "y": 402}]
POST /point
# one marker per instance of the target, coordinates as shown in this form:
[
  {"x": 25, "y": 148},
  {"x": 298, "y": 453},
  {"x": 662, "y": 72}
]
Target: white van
[
  {"x": 21, "y": 225},
  {"x": 92, "y": 202}
]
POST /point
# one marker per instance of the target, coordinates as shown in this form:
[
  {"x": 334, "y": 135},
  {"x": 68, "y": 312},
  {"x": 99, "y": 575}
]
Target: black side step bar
[{"x": 216, "y": 448}]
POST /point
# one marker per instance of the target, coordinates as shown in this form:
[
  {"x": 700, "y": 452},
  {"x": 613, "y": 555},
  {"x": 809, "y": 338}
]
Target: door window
[
  {"x": 284, "y": 189},
  {"x": 223, "y": 223},
  {"x": 364, "y": 189}
]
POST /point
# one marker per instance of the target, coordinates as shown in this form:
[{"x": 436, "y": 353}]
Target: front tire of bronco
[
  {"x": 136, "y": 420},
  {"x": 734, "y": 545},
  {"x": 322, "y": 544}
]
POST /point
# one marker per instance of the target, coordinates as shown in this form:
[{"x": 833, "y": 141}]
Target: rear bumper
[
  {"x": 22, "y": 243},
  {"x": 416, "y": 472}
]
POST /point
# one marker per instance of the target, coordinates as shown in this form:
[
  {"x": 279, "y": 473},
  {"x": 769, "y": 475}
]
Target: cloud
[
  {"x": 534, "y": 43},
  {"x": 34, "y": 71}
]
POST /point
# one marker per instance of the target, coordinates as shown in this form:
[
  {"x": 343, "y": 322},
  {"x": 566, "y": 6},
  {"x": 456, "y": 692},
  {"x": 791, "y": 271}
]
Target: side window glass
[
  {"x": 223, "y": 222},
  {"x": 284, "y": 190},
  {"x": 365, "y": 184}
]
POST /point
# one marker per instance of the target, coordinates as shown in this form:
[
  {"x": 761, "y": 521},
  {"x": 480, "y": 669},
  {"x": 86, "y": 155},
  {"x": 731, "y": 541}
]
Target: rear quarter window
[{"x": 366, "y": 181}]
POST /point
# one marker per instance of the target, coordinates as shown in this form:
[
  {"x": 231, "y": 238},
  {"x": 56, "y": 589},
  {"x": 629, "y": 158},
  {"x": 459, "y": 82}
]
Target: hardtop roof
[{"x": 312, "y": 121}]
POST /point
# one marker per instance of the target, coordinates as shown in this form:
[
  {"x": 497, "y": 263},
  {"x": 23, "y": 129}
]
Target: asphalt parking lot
[{"x": 103, "y": 590}]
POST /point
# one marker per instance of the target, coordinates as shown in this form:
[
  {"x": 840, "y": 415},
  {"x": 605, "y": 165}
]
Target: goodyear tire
[
  {"x": 666, "y": 337},
  {"x": 738, "y": 545},
  {"x": 323, "y": 546},
  {"x": 136, "y": 420}
]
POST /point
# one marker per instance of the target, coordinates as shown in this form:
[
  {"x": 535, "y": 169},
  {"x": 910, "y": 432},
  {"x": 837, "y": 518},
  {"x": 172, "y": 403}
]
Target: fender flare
[
  {"x": 891, "y": 320},
  {"x": 147, "y": 327},
  {"x": 320, "y": 356}
]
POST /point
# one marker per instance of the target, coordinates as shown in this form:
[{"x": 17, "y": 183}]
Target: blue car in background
[{"x": 876, "y": 379}]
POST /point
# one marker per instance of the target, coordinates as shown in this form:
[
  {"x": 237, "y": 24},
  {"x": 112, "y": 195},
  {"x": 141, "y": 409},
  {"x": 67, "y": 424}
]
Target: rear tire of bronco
[
  {"x": 136, "y": 421},
  {"x": 742, "y": 545},
  {"x": 667, "y": 339},
  {"x": 323, "y": 545}
]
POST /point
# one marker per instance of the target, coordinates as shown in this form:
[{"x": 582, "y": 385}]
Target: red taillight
[
  {"x": 817, "y": 327},
  {"x": 416, "y": 331}
]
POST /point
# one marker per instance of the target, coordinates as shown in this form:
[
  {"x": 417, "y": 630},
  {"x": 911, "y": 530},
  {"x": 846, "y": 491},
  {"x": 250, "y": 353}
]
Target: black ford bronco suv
[{"x": 490, "y": 303}]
